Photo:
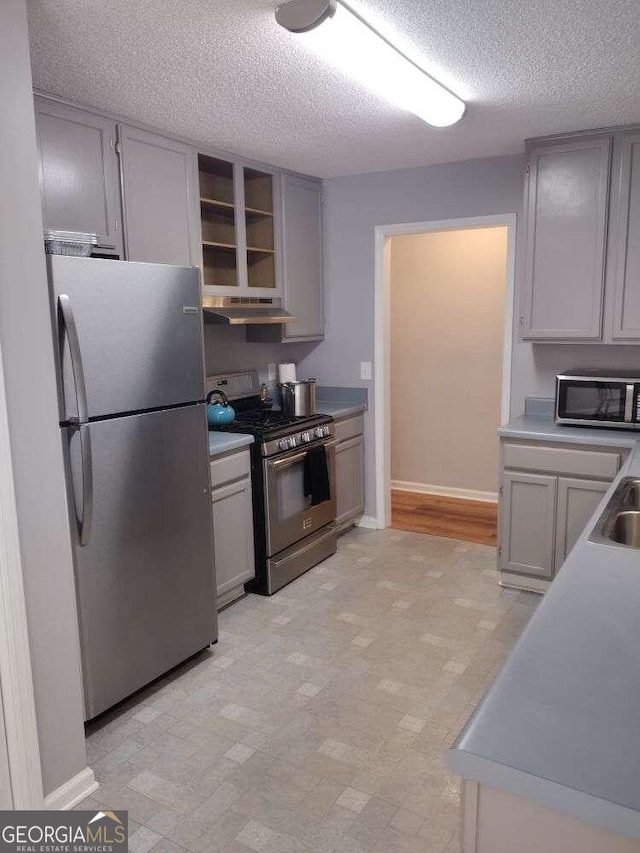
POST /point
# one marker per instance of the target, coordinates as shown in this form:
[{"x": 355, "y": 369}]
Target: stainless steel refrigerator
[{"x": 131, "y": 385}]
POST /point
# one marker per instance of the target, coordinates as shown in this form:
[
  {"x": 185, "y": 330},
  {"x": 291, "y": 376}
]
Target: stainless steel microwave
[{"x": 602, "y": 398}]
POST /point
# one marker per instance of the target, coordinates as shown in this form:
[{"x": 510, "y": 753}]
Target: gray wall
[
  {"x": 25, "y": 338},
  {"x": 226, "y": 349},
  {"x": 354, "y": 205},
  {"x": 535, "y": 365}
]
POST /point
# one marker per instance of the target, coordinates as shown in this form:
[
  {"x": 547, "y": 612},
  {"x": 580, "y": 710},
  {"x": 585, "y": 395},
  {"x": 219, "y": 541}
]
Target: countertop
[
  {"x": 339, "y": 410},
  {"x": 543, "y": 428},
  {"x": 561, "y": 723},
  {"x": 223, "y": 442}
]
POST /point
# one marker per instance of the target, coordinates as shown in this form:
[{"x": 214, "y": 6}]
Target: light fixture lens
[{"x": 352, "y": 46}]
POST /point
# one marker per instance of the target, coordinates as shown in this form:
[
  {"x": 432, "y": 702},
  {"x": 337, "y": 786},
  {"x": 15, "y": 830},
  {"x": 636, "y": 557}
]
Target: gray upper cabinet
[
  {"x": 254, "y": 231},
  {"x": 302, "y": 257},
  {"x": 78, "y": 171},
  {"x": 160, "y": 199},
  {"x": 566, "y": 233},
  {"x": 627, "y": 276},
  {"x": 302, "y": 292}
]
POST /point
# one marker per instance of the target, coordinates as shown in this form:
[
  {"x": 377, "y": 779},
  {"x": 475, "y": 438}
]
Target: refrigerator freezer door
[
  {"x": 139, "y": 331},
  {"x": 145, "y": 579}
]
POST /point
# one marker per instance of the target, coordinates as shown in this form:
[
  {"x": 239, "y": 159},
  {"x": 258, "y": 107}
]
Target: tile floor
[{"x": 320, "y": 721}]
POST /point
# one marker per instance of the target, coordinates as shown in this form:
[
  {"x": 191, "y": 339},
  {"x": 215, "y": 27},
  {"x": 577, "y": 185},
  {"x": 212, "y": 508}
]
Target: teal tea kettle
[{"x": 219, "y": 413}]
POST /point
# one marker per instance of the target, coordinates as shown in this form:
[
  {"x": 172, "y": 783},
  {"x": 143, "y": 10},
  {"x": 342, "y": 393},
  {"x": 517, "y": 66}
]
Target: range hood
[{"x": 244, "y": 310}]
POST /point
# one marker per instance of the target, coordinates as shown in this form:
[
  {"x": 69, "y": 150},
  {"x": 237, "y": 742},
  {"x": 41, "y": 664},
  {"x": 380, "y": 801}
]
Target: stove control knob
[
  {"x": 306, "y": 437},
  {"x": 283, "y": 444},
  {"x": 319, "y": 432}
]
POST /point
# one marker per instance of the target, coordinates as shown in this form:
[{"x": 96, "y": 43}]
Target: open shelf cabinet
[
  {"x": 218, "y": 218},
  {"x": 238, "y": 222},
  {"x": 259, "y": 223}
]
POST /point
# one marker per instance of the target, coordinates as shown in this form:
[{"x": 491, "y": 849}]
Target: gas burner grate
[{"x": 264, "y": 423}]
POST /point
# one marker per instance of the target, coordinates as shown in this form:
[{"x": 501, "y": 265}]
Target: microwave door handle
[
  {"x": 628, "y": 404},
  {"x": 69, "y": 325}
]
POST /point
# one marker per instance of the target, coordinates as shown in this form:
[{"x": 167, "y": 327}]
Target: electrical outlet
[
  {"x": 272, "y": 371},
  {"x": 365, "y": 370}
]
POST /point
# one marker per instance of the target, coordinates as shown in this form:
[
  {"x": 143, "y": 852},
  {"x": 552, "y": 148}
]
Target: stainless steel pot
[{"x": 298, "y": 399}]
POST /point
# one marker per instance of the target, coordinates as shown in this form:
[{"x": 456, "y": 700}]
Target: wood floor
[{"x": 472, "y": 521}]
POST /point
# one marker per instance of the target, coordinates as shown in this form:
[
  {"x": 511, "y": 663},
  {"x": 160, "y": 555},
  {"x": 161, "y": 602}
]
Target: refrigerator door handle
[
  {"x": 84, "y": 522},
  {"x": 69, "y": 324},
  {"x": 84, "y": 518}
]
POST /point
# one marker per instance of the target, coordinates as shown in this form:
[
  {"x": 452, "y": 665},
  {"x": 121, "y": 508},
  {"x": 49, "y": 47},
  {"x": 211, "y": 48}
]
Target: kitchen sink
[
  {"x": 619, "y": 523},
  {"x": 632, "y": 495},
  {"x": 625, "y": 529}
]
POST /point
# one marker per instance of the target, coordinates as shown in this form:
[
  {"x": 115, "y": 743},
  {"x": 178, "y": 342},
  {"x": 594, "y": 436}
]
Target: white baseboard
[
  {"x": 72, "y": 792},
  {"x": 367, "y": 521},
  {"x": 444, "y": 491}
]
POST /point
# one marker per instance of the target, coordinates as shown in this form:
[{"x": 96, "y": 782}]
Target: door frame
[
  {"x": 382, "y": 335},
  {"x": 16, "y": 680}
]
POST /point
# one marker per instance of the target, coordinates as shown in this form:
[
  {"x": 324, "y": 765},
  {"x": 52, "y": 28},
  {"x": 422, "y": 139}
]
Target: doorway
[{"x": 444, "y": 315}]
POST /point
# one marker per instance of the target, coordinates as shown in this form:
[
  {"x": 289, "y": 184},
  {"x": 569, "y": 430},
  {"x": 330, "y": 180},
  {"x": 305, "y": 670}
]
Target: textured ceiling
[{"x": 223, "y": 72}]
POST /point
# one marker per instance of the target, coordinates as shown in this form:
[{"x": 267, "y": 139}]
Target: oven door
[
  {"x": 590, "y": 401},
  {"x": 289, "y": 514}
]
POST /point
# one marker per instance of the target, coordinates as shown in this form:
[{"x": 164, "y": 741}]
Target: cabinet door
[
  {"x": 302, "y": 257},
  {"x": 232, "y": 536},
  {"x": 349, "y": 479},
  {"x": 627, "y": 281},
  {"x": 577, "y": 501},
  {"x": 260, "y": 195},
  {"x": 222, "y": 267},
  {"x": 78, "y": 171},
  {"x": 6, "y": 798},
  {"x": 160, "y": 205},
  {"x": 527, "y": 524},
  {"x": 567, "y": 206}
]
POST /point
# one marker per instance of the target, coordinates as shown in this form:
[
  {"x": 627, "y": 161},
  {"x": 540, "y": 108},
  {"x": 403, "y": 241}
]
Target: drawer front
[
  {"x": 229, "y": 468},
  {"x": 601, "y": 464},
  {"x": 349, "y": 427}
]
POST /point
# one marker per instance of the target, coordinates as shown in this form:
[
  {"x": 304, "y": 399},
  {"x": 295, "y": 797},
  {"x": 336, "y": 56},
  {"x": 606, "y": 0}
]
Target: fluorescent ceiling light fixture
[{"x": 342, "y": 37}]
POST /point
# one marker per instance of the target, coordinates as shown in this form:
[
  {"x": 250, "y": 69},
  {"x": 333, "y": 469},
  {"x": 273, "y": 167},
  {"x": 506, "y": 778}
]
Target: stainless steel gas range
[{"x": 294, "y": 511}]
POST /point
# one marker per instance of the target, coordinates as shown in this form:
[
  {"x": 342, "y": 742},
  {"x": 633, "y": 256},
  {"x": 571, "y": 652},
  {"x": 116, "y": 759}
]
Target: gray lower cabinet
[
  {"x": 548, "y": 493},
  {"x": 528, "y": 524},
  {"x": 566, "y": 233},
  {"x": 79, "y": 180},
  {"x": 577, "y": 501},
  {"x": 232, "y": 526},
  {"x": 159, "y": 198},
  {"x": 349, "y": 470}
]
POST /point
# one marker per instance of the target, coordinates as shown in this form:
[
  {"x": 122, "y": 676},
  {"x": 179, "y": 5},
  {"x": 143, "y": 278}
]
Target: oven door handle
[{"x": 286, "y": 462}]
